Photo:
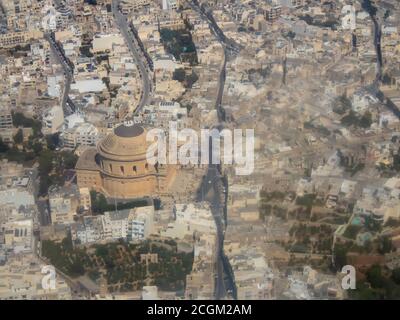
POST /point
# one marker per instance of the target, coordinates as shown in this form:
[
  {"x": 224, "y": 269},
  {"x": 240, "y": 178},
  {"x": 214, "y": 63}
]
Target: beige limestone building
[{"x": 118, "y": 166}]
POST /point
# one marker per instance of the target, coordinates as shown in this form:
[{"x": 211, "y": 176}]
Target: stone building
[{"x": 118, "y": 166}]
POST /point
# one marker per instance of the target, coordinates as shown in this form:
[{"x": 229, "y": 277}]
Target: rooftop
[{"x": 129, "y": 130}]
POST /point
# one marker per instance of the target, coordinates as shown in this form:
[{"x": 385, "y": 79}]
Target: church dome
[{"x": 127, "y": 142}]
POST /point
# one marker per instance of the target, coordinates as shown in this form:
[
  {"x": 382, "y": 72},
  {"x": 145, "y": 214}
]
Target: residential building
[
  {"x": 5, "y": 118},
  {"x": 64, "y": 202}
]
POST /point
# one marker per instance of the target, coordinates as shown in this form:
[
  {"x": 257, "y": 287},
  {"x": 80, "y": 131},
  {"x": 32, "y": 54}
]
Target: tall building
[
  {"x": 5, "y": 118},
  {"x": 272, "y": 13},
  {"x": 140, "y": 223},
  {"x": 170, "y": 4},
  {"x": 118, "y": 166}
]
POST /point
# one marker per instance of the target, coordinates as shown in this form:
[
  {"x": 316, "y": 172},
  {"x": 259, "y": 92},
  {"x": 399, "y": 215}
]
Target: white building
[
  {"x": 16, "y": 196},
  {"x": 115, "y": 224},
  {"x": 53, "y": 119},
  {"x": 289, "y": 3},
  {"x": 64, "y": 202},
  {"x": 141, "y": 223},
  {"x": 54, "y": 88},
  {"x": 88, "y": 85},
  {"x": 165, "y": 64},
  {"x": 361, "y": 101},
  {"x": 72, "y": 120},
  {"x": 84, "y": 197},
  {"x": 170, "y": 4},
  {"x": 90, "y": 231},
  {"x": 84, "y": 134},
  {"x": 16, "y": 189},
  {"x": 191, "y": 218},
  {"x": 130, "y": 224}
]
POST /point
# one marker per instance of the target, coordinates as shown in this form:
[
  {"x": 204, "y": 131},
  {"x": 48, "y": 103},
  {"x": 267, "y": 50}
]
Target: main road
[
  {"x": 213, "y": 189},
  {"x": 214, "y": 184},
  {"x": 66, "y": 103},
  {"x": 230, "y": 48},
  {"x": 372, "y": 10},
  {"x": 122, "y": 24}
]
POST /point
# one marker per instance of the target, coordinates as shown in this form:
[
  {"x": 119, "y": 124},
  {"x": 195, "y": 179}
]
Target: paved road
[
  {"x": 44, "y": 212},
  {"x": 372, "y": 10},
  {"x": 206, "y": 14},
  {"x": 378, "y": 50},
  {"x": 211, "y": 190},
  {"x": 122, "y": 23},
  {"x": 220, "y": 94},
  {"x": 66, "y": 102},
  {"x": 213, "y": 183},
  {"x": 377, "y": 43},
  {"x": 230, "y": 49}
]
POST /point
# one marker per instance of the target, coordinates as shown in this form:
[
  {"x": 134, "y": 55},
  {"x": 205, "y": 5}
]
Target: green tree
[
  {"x": 341, "y": 104},
  {"x": 52, "y": 141},
  {"x": 69, "y": 159},
  {"x": 45, "y": 162},
  {"x": 191, "y": 79},
  {"x": 307, "y": 200},
  {"x": 37, "y": 148},
  {"x": 396, "y": 276},
  {"x": 352, "y": 231},
  {"x": 76, "y": 269},
  {"x": 375, "y": 277},
  {"x": 3, "y": 146},
  {"x": 19, "y": 120},
  {"x": 291, "y": 35},
  {"x": 99, "y": 203},
  {"x": 19, "y": 137},
  {"x": 45, "y": 168},
  {"x": 350, "y": 119},
  {"x": 366, "y": 120},
  {"x": 340, "y": 255},
  {"x": 179, "y": 75},
  {"x": 385, "y": 245},
  {"x": 37, "y": 129}
]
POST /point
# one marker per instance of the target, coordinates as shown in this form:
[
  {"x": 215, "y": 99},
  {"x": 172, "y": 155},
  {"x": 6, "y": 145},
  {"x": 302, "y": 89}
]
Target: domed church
[{"x": 118, "y": 167}]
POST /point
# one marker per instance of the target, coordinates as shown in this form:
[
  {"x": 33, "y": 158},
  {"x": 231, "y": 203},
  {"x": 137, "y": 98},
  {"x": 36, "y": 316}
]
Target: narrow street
[
  {"x": 122, "y": 24},
  {"x": 66, "y": 102}
]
